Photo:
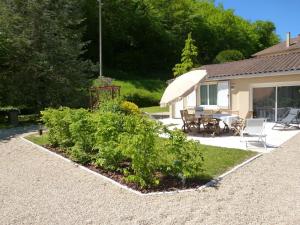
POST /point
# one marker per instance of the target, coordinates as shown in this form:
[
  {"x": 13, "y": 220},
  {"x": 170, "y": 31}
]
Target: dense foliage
[
  {"x": 143, "y": 92},
  {"x": 147, "y": 35},
  {"x": 46, "y": 46},
  {"x": 41, "y": 44},
  {"x": 188, "y": 57},
  {"x": 229, "y": 56},
  {"x": 124, "y": 141}
]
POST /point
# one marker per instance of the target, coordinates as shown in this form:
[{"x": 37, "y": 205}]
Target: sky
[{"x": 285, "y": 14}]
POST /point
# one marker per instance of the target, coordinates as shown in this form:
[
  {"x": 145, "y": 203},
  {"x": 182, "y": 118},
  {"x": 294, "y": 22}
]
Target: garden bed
[{"x": 217, "y": 161}]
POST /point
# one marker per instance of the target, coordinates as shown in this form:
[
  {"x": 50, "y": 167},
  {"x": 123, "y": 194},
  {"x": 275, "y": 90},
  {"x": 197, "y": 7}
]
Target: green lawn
[
  {"x": 155, "y": 109},
  {"x": 37, "y": 139},
  {"x": 217, "y": 160},
  {"x": 143, "y": 92}
]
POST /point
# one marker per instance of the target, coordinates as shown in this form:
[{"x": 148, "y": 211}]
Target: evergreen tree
[
  {"x": 188, "y": 57},
  {"x": 44, "y": 65}
]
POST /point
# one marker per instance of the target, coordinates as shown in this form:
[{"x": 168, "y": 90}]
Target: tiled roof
[
  {"x": 281, "y": 48},
  {"x": 255, "y": 66}
]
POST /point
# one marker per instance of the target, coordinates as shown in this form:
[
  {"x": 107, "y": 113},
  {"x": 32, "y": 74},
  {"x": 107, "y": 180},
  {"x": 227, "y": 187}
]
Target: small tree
[{"x": 188, "y": 57}]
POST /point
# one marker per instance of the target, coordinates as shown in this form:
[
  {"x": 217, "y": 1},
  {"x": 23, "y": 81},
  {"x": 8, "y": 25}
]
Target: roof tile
[{"x": 258, "y": 65}]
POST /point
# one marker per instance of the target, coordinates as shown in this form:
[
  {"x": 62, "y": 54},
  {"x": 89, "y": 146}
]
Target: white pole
[{"x": 100, "y": 40}]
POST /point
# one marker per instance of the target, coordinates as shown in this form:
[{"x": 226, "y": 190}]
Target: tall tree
[
  {"x": 44, "y": 66},
  {"x": 266, "y": 34},
  {"x": 188, "y": 57}
]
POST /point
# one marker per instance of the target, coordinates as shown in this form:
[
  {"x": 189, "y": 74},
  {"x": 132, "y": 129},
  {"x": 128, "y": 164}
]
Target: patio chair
[
  {"x": 188, "y": 120},
  {"x": 291, "y": 119},
  {"x": 254, "y": 128},
  {"x": 238, "y": 125},
  {"x": 226, "y": 128},
  {"x": 210, "y": 125}
]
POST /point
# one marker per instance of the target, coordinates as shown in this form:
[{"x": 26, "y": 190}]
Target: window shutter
[
  {"x": 177, "y": 107},
  {"x": 223, "y": 94},
  {"x": 191, "y": 100}
]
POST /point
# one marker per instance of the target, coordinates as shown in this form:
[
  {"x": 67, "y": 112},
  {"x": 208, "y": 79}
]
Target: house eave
[{"x": 246, "y": 76}]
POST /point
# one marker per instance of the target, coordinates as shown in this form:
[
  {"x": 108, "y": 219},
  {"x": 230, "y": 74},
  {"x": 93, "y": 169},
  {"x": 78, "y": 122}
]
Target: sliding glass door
[
  {"x": 273, "y": 103},
  {"x": 264, "y": 100},
  {"x": 287, "y": 97}
]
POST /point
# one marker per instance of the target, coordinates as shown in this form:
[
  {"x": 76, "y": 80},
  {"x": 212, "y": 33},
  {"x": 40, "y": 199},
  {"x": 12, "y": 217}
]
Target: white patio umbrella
[{"x": 182, "y": 86}]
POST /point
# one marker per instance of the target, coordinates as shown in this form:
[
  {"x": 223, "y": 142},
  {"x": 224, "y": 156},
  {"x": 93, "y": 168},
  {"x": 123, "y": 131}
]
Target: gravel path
[{"x": 38, "y": 188}]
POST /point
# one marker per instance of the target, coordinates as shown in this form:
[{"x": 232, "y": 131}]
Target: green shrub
[
  {"x": 142, "y": 92},
  {"x": 229, "y": 56},
  {"x": 188, "y": 160},
  {"x": 126, "y": 142},
  {"x": 77, "y": 154},
  {"x": 58, "y": 122},
  {"x": 130, "y": 108},
  {"x": 138, "y": 144},
  {"x": 109, "y": 127},
  {"x": 111, "y": 106},
  {"x": 183, "y": 157},
  {"x": 142, "y": 99},
  {"x": 82, "y": 129}
]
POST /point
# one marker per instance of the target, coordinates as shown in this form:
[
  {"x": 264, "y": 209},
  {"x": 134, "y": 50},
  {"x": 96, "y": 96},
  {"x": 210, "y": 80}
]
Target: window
[
  {"x": 204, "y": 95},
  {"x": 274, "y": 102},
  {"x": 208, "y": 94}
]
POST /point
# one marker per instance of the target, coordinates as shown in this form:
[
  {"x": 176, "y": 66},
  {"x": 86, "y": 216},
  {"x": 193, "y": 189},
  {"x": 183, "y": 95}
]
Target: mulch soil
[{"x": 166, "y": 183}]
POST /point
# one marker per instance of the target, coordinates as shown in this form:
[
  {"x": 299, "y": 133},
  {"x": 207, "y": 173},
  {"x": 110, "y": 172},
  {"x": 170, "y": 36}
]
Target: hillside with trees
[
  {"x": 147, "y": 36},
  {"x": 49, "y": 49}
]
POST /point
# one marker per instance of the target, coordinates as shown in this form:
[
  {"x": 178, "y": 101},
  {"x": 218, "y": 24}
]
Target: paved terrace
[
  {"x": 39, "y": 188},
  {"x": 275, "y": 138}
]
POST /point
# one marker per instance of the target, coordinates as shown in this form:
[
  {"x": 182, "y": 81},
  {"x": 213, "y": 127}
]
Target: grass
[
  {"x": 217, "y": 160},
  {"x": 39, "y": 140},
  {"x": 143, "y": 92},
  {"x": 155, "y": 109}
]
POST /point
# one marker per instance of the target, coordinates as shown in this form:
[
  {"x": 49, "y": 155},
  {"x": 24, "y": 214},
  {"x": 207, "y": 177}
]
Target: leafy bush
[
  {"x": 111, "y": 106},
  {"x": 138, "y": 143},
  {"x": 123, "y": 141},
  {"x": 229, "y": 56},
  {"x": 143, "y": 99},
  {"x": 186, "y": 160},
  {"x": 109, "y": 127},
  {"x": 82, "y": 129},
  {"x": 130, "y": 108},
  {"x": 77, "y": 154},
  {"x": 58, "y": 122},
  {"x": 142, "y": 92},
  {"x": 119, "y": 106}
]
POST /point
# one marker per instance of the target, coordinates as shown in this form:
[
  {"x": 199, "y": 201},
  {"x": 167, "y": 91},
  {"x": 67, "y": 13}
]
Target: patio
[{"x": 275, "y": 138}]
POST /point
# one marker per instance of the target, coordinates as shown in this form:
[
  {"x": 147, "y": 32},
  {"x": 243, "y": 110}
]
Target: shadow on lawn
[{"x": 7, "y": 134}]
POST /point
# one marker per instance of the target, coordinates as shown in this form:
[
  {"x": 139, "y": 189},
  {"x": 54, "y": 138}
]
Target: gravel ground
[{"x": 39, "y": 188}]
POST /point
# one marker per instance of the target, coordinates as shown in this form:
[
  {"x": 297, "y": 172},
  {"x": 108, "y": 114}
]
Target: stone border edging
[{"x": 208, "y": 184}]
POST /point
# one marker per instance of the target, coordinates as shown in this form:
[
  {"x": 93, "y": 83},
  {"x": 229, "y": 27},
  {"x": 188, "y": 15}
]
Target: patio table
[{"x": 228, "y": 119}]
